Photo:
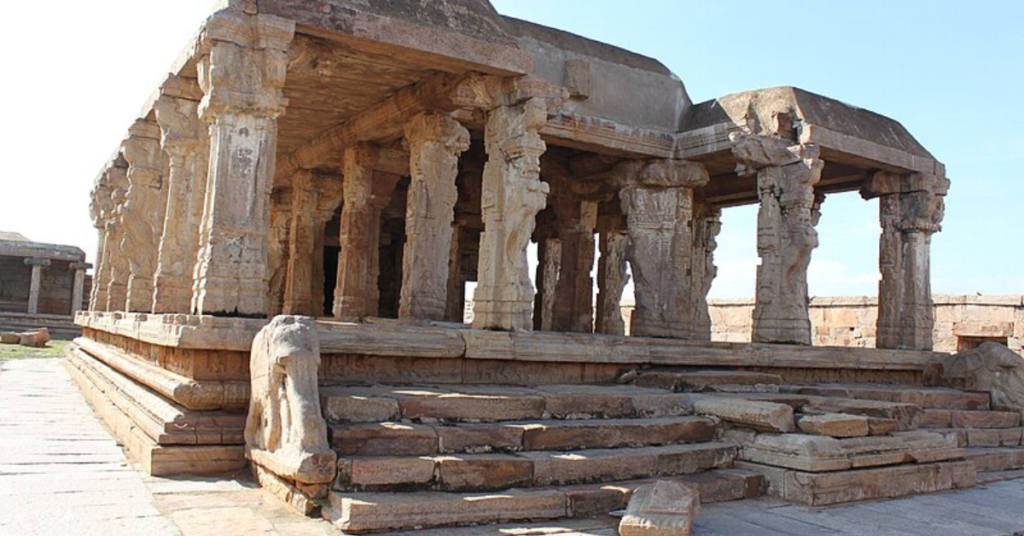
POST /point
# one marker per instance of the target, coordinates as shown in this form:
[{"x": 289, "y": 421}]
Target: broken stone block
[
  {"x": 660, "y": 509},
  {"x": 834, "y": 425},
  {"x": 753, "y": 413},
  {"x": 9, "y": 338},
  {"x": 36, "y": 338}
]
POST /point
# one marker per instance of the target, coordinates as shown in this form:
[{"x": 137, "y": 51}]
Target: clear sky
[{"x": 76, "y": 74}]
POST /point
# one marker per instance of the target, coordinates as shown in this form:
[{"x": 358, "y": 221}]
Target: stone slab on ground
[{"x": 660, "y": 509}]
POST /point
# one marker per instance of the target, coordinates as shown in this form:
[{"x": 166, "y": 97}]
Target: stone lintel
[
  {"x": 37, "y": 261},
  {"x": 887, "y": 182}
]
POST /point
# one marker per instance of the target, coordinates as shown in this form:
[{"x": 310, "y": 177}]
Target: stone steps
[
  {"x": 497, "y": 404},
  {"x": 689, "y": 381},
  {"x": 407, "y": 439},
  {"x": 982, "y": 437},
  {"x": 488, "y": 472},
  {"x": 371, "y": 512},
  {"x": 924, "y": 397},
  {"x": 986, "y": 419},
  {"x": 996, "y": 459}
]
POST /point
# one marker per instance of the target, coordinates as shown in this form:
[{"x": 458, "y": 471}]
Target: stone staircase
[{"x": 429, "y": 456}]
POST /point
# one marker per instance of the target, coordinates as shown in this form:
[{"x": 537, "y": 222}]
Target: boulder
[{"x": 661, "y": 509}]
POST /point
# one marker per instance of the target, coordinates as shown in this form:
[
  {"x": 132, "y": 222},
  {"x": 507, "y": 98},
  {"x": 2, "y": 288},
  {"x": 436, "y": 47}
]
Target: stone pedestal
[
  {"x": 786, "y": 175},
  {"x": 185, "y": 141},
  {"x": 574, "y": 292},
  {"x": 143, "y": 215},
  {"x": 35, "y": 282},
  {"x": 657, "y": 199},
  {"x": 911, "y": 208},
  {"x": 611, "y": 280},
  {"x": 365, "y": 194},
  {"x": 512, "y": 196},
  {"x": 435, "y": 143},
  {"x": 242, "y": 71}
]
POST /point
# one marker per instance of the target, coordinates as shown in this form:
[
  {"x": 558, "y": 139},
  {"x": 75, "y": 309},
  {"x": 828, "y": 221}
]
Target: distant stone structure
[
  {"x": 41, "y": 285},
  {"x": 358, "y": 163}
]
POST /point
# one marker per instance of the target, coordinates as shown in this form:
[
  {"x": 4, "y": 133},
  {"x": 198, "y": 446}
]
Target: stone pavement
[{"x": 61, "y": 473}]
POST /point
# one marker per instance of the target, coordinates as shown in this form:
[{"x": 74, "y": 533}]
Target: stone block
[
  {"x": 616, "y": 433},
  {"x": 834, "y": 425},
  {"x": 984, "y": 419},
  {"x": 660, "y": 509},
  {"x": 384, "y": 439},
  {"x": 36, "y": 338},
  {"x": 479, "y": 472},
  {"x": 479, "y": 438},
  {"x": 690, "y": 459},
  {"x": 355, "y": 408},
  {"x": 598, "y": 465},
  {"x": 472, "y": 407},
  {"x": 1007, "y": 437},
  {"x": 9, "y": 338},
  {"x": 373, "y": 472},
  {"x": 753, "y": 413}
]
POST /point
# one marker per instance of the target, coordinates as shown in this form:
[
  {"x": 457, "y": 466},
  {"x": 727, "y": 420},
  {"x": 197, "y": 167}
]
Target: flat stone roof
[{"x": 16, "y": 245}]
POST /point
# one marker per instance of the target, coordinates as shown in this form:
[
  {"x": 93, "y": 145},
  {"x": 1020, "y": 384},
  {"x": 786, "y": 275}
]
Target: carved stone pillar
[
  {"x": 911, "y": 209},
  {"x": 549, "y": 263},
  {"x": 574, "y": 292},
  {"x": 298, "y": 291},
  {"x": 242, "y": 70},
  {"x": 707, "y": 223},
  {"x": 512, "y": 196},
  {"x": 611, "y": 280},
  {"x": 328, "y": 188},
  {"x": 37, "y": 264},
  {"x": 101, "y": 211},
  {"x": 435, "y": 143},
  {"x": 456, "y": 292},
  {"x": 185, "y": 141},
  {"x": 78, "y": 285},
  {"x": 115, "y": 265},
  {"x": 657, "y": 199},
  {"x": 143, "y": 216},
  {"x": 786, "y": 175},
  {"x": 365, "y": 194},
  {"x": 278, "y": 243}
]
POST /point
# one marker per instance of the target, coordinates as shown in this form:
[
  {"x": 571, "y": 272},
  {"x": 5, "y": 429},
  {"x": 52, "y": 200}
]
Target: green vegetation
[{"x": 15, "y": 351}]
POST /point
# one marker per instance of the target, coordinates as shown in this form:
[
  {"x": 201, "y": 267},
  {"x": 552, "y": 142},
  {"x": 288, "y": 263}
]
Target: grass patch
[{"x": 15, "y": 351}]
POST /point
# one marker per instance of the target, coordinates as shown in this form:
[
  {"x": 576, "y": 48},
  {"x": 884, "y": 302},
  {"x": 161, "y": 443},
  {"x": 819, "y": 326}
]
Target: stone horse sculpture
[{"x": 285, "y": 433}]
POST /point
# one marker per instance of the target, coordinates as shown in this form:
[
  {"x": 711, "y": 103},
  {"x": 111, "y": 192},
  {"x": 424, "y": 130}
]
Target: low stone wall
[{"x": 961, "y": 322}]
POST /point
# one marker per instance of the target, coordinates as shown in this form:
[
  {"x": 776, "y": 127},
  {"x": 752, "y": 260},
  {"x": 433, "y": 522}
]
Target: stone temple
[{"x": 288, "y": 229}]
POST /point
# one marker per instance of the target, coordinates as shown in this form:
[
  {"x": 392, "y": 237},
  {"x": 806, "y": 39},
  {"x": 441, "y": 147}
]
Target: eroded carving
[{"x": 991, "y": 368}]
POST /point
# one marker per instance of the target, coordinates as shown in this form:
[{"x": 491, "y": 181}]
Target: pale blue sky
[{"x": 951, "y": 72}]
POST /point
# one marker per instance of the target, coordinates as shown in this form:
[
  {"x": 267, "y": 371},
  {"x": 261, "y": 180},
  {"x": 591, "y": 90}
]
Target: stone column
[
  {"x": 242, "y": 71},
  {"x": 298, "y": 290},
  {"x": 143, "y": 216},
  {"x": 911, "y": 208},
  {"x": 279, "y": 239},
  {"x": 115, "y": 265},
  {"x": 549, "y": 263},
  {"x": 786, "y": 175},
  {"x": 37, "y": 264},
  {"x": 512, "y": 196},
  {"x": 435, "y": 143},
  {"x": 365, "y": 194},
  {"x": 657, "y": 199},
  {"x": 707, "y": 223},
  {"x": 78, "y": 285},
  {"x": 101, "y": 211},
  {"x": 184, "y": 139},
  {"x": 456, "y": 283},
  {"x": 611, "y": 280},
  {"x": 574, "y": 292}
]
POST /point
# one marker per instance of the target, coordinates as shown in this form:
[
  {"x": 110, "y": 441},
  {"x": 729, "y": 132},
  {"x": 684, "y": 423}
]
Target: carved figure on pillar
[
  {"x": 185, "y": 141},
  {"x": 116, "y": 265},
  {"x": 512, "y": 196},
  {"x": 786, "y": 175},
  {"x": 241, "y": 71},
  {"x": 657, "y": 199},
  {"x": 707, "y": 223},
  {"x": 365, "y": 193},
  {"x": 435, "y": 143},
  {"x": 143, "y": 217},
  {"x": 911, "y": 208},
  {"x": 101, "y": 211}
]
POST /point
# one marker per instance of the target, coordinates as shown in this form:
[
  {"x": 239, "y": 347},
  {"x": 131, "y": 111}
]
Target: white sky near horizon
[{"x": 77, "y": 73}]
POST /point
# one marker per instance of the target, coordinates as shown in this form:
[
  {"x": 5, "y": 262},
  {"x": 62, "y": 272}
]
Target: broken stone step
[
  {"x": 711, "y": 380},
  {"x": 497, "y": 403},
  {"x": 982, "y": 437},
  {"x": 946, "y": 418},
  {"x": 478, "y": 472},
  {"x": 756, "y": 414},
  {"x": 374, "y": 512},
  {"x": 811, "y": 453},
  {"x": 906, "y": 416},
  {"x": 822, "y": 489},
  {"x": 925, "y": 397},
  {"x": 996, "y": 459},
  {"x": 401, "y": 439},
  {"x": 834, "y": 425}
]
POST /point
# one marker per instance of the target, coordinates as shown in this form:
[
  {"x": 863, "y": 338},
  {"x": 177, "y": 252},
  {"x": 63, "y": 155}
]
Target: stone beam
[{"x": 786, "y": 176}]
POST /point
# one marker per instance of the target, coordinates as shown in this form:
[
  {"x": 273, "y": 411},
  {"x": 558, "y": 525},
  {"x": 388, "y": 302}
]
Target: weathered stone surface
[
  {"x": 483, "y": 472},
  {"x": 479, "y": 437},
  {"x": 611, "y": 280},
  {"x": 9, "y": 338},
  {"x": 756, "y": 414},
  {"x": 661, "y": 509},
  {"x": 36, "y": 338},
  {"x": 617, "y": 433},
  {"x": 711, "y": 380},
  {"x": 991, "y": 367},
  {"x": 358, "y": 408},
  {"x": 820, "y": 454},
  {"x": 834, "y": 425},
  {"x": 384, "y": 439},
  {"x": 286, "y": 432},
  {"x": 360, "y": 472}
]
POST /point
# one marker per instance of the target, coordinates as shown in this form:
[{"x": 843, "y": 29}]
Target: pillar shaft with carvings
[
  {"x": 435, "y": 143},
  {"x": 574, "y": 291},
  {"x": 911, "y": 208},
  {"x": 611, "y": 280},
  {"x": 786, "y": 176},
  {"x": 657, "y": 199},
  {"x": 298, "y": 290},
  {"x": 144, "y": 210},
  {"x": 707, "y": 223},
  {"x": 185, "y": 141},
  {"x": 549, "y": 264},
  {"x": 115, "y": 265},
  {"x": 242, "y": 73},
  {"x": 37, "y": 265},
  {"x": 365, "y": 193},
  {"x": 278, "y": 248},
  {"x": 101, "y": 211},
  {"x": 512, "y": 196}
]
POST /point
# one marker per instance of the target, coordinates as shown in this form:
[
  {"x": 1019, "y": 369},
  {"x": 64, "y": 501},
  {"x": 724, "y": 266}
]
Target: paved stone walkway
[{"x": 62, "y": 474}]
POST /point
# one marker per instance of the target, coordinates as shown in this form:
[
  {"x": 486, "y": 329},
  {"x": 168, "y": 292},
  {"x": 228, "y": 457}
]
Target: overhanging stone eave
[
  {"x": 56, "y": 252},
  {"x": 603, "y": 136}
]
